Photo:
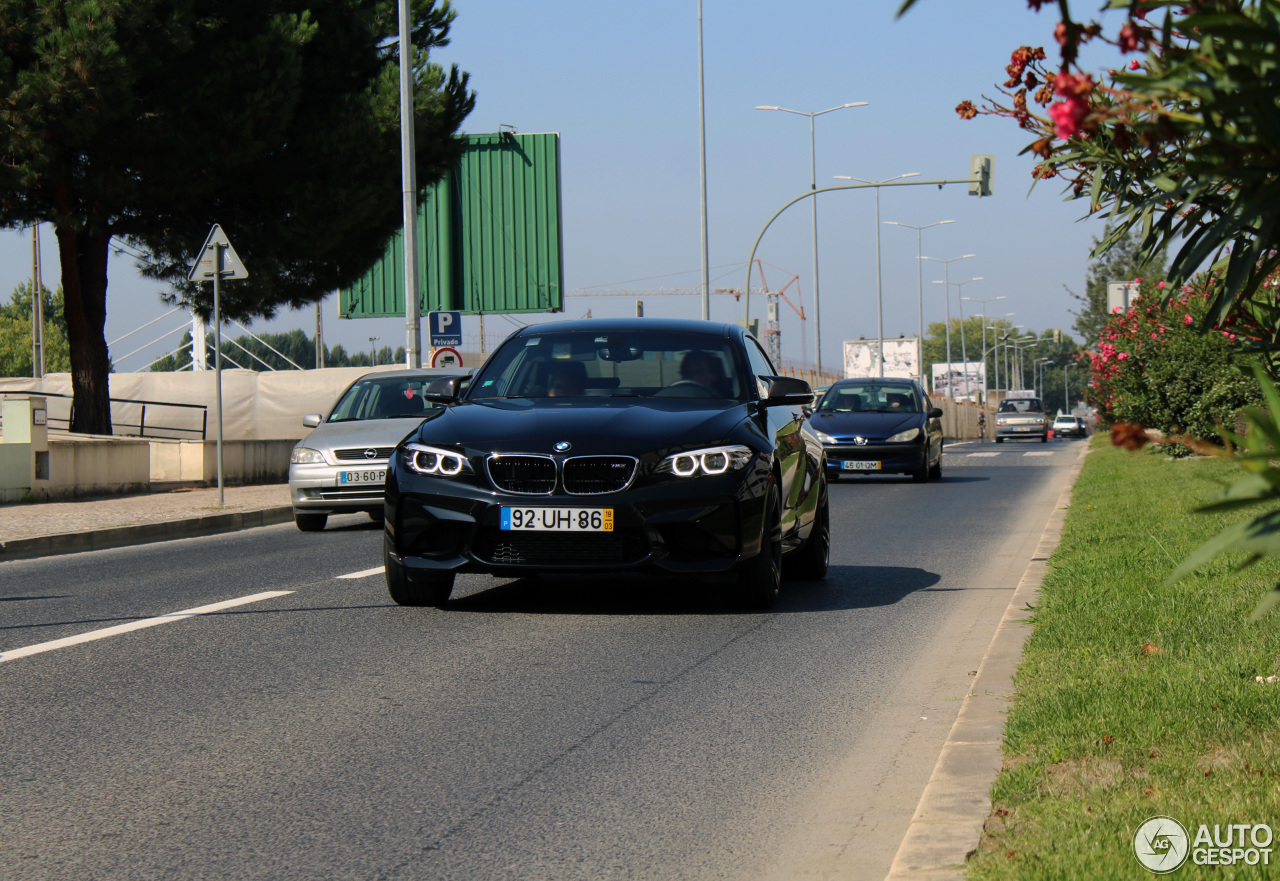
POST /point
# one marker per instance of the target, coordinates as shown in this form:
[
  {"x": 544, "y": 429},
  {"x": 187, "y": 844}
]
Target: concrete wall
[
  {"x": 243, "y": 462},
  {"x": 96, "y": 467}
]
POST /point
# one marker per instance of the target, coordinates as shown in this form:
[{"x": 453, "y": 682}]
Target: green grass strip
[{"x": 1104, "y": 733}]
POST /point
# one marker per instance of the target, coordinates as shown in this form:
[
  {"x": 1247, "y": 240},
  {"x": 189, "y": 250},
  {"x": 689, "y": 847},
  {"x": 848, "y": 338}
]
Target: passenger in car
[{"x": 568, "y": 378}]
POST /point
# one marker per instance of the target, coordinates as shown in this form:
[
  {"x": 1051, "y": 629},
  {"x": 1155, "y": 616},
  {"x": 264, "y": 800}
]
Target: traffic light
[{"x": 980, "y": 175}]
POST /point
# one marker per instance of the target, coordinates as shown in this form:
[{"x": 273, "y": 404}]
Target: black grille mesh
[
  {"x": 532, "y": 475},
  {"x": 587, "y": 475},
  {"x": 568, "y": 549}
]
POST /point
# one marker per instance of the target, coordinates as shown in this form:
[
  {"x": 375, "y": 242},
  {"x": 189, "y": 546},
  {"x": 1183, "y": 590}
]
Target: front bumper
[
  {"x": 1027, "y": 430},
  {"x": 703, "y": 525},
  {"x": 319, "y": 489},
  {"x": 893, "y": 458}
]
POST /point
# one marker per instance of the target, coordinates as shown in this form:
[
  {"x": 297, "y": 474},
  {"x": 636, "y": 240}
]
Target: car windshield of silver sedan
[
  {"x": 647, "y": 364},
  {"x": 1021, "y": 405},
  {"x": 870, "y": 397},
  {"x": 384, "y": 398}
]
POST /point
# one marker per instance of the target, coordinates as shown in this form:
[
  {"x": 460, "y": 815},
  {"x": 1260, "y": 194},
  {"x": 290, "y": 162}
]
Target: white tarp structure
[
  {"x": 255, "y": 406},
  {"x": 958, "y": 380},
  {"x": 901, "y": 358}
]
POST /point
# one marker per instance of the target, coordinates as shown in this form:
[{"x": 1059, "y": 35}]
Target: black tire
[
  {"x": 760, "y": 581},
  {"x": 1044, "y": 438},
  {"x": 310, "y": 522},
  {"x": 935, "y": 471},
  {"x": 375, "y": 516},
  {"x": 810, "y": 563},
  {"x": 921, "y": 474},
  {"x": 999, "y": 439},
  {"x": 417, "y": 589}
]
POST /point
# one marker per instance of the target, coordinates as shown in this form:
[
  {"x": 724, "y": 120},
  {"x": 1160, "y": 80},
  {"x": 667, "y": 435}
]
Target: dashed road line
[
  {"x": 1046, "y": 453},
  {"x": 92, "y": 635},
  {"x": 363, "y": 573}
]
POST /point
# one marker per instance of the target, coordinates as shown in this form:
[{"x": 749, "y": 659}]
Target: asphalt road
[{"x": 541, "y": 728}]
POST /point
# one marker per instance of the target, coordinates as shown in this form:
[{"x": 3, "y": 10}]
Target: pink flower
[
  {"x": 1115, "y": 310},
  {"x": 1160, "y": 286},
  {"x": 1067, "y": 117},
  {"x": 1187, "y": 319},
  {"x": 1122, "y": 356},
  {"x": 1134, "y": 65}
]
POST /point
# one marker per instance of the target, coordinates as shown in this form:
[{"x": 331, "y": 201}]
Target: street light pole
[
  {"x": 919, "y": 276},
  {"x": 702, "y": 175},
  {"x": 946, "y": 275},
  {"x": 964, "y": 353},
  {"x": 875, "y": 184},
  {"x": 1066, "y": 397},
  {"x": 813, "y": 185},
  {"x": 984, "y": 303}
]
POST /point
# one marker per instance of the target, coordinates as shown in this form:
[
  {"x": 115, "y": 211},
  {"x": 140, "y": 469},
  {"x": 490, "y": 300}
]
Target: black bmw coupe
[{"x": 651, "y": 445}]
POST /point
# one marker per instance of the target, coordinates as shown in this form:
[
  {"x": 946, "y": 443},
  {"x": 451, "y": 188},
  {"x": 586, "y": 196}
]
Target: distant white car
[{"x": 1070, "y": 426}]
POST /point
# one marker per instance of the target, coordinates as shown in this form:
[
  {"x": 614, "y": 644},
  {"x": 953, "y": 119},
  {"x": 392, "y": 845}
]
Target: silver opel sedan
[{"x": 341, "y": 466}]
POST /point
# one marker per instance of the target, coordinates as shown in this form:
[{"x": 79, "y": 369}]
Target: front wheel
[
  {"x": 999, "y": 439},
  {"x": 814, "y": 557},
  {"x": 761, "y": 579},
  {"x": 935, "y": 471},
  {"x": 310, "y": 522},
  {"x": 921, "y": 474},
  {"x": 414, "y": 589}
]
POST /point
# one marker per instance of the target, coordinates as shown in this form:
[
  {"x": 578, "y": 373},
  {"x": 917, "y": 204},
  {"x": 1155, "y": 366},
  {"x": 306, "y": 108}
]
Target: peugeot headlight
[
  {"x": 434, "y": 461},
  {"x": 709, "y": 461},
  {"x": 305, "y": 456},
  {"x": 904, "y": 436},
  {"x": 823, "y": 436}
]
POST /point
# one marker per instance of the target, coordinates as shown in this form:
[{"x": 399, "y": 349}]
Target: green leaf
[{"x": 1268, "y": 603}]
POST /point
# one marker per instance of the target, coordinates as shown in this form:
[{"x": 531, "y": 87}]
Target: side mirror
[
  {"x": 785, "y": 391},
  {"x": 444, "y": 390},
  {"x": 311, "y": 420},
  {"x": 935, "y": 413}
]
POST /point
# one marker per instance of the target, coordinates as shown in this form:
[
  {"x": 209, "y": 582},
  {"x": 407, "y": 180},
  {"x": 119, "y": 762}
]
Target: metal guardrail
[{"x": 141, "y": 426}]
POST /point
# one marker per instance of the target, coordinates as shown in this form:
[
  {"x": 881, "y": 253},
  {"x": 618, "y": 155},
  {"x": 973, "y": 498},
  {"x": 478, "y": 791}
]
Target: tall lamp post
[
  {"x": 964, "y": 354},
  {"x": 813, "y": 185},
  {"x": 946, "y": 274},
  {"x": 919, "y": 274},
  {"x": 984, "y": 303},
  {"x": 1040, "y": 364},
  {"x": 1066, "y": 397},
  {"x": 875, "y": 184}
]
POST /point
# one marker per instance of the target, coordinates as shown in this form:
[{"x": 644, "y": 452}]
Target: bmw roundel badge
[{"x": 562, "y": 447}]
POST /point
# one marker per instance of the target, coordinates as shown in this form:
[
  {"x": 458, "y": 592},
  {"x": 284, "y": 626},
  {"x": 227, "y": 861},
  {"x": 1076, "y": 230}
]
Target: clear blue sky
[{"x": 618, "y": 81}]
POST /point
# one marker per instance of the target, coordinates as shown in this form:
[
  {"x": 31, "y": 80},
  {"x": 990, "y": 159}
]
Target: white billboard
[
  {"x": 901, "y": 358},
  {"x": 959, "y": 380}
]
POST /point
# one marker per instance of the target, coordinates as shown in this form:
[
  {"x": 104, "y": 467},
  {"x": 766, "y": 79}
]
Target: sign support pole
[
  {"x": 217, "y": 358},
  {"x": 408, "y": 179}
]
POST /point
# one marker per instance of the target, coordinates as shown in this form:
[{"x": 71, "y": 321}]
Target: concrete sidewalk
[{"x": 41, "y": 529}]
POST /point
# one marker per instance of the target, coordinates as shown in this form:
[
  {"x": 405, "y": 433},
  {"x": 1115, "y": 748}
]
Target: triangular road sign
[{"x": 231, "y": 265}]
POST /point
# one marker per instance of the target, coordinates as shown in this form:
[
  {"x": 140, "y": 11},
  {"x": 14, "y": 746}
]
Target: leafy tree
[
  {"x": 1123, "y": 261},
  {"x": 147, "y": 121},
  {"x": 15, "y": 333}
]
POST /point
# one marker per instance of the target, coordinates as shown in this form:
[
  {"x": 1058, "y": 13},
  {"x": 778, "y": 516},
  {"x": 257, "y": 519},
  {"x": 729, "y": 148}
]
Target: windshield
[
  {"x": 1021, "y": 405},
  {"x": 390, "y": 397},
  {"x": 578, "y": 364},
  {"x": 870, "y": 397}
]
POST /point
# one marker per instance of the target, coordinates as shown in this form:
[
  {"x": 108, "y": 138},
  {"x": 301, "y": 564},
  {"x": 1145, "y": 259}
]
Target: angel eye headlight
[
  {"x": 709, "y": 461},
  {"x": 903, "y": 436},
  {"x": 422, "y": 459}
]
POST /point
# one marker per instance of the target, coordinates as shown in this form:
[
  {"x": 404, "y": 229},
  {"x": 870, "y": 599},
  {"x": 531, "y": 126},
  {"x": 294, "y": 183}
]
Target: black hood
[{"x": 612, "y": 425}]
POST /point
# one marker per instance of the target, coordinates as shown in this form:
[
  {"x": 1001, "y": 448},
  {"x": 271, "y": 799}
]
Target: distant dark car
[
  {"x": 606, "y": 446},
  {"x": 1069, "y": 426},
  {"x": 876, "y": 426},
  {"x": 1022, "y": 419}
]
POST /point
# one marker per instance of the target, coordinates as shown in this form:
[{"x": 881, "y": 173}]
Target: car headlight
[
  {"x": 904, "y": 436},
  {"x": 1002, "y": 420},
  {"x": 434, "y": 461},
  {"x": 709, "y": 461},
  {"x": 823, "y": 436},
  {"x": 305, "y": 456}
]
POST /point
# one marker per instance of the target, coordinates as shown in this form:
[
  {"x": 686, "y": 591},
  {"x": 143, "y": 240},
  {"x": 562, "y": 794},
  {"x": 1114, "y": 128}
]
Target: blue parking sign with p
[{"x": 445, "y": 329}]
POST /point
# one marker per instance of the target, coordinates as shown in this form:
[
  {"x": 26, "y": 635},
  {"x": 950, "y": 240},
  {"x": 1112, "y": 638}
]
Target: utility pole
[{"x": 37, "y": 307}]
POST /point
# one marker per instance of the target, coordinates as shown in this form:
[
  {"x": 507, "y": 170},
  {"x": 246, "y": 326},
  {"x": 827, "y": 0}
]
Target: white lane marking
[
  {"x": 1048, "y": 453},
  {"x": 138, "y": 625},
  {"x": 364, "y": 573},
  {"x": 971, "y": 455}
]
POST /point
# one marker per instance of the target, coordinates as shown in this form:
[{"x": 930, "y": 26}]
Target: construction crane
[{"x": 773, "y": 333}]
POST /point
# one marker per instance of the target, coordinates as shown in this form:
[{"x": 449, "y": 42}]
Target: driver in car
[{"x": 704, "y": 369}]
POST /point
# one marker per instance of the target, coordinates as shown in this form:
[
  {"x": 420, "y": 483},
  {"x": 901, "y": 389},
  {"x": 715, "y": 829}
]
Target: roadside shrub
[{"x": 1159, "y": 367}]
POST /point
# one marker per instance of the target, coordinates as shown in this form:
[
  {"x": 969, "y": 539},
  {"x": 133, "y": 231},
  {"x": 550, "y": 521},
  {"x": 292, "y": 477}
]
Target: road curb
[
  {"x": 145, "y": 533},
  {"x": 948, "y": 820}
]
